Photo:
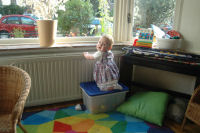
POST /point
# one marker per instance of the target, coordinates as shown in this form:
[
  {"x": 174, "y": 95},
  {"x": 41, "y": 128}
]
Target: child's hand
[
  {"x": 88, "y": 56},
  {"x": 85, "y": 54}
]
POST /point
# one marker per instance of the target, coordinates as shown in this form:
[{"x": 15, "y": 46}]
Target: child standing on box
[{"x": 106, "y": 72}]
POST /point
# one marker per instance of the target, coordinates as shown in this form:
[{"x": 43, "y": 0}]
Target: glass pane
[
  {"x": 86, "y": 18},
  {"x": 4, "y": 21},
  {"x": 75, "y": 17},
  {"x": 27, "y": 21},
  {"x": 157, "y": 12}
]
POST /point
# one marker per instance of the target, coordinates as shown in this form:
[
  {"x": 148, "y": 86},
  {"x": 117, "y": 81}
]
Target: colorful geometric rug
[{"x": 68, "y": 120}]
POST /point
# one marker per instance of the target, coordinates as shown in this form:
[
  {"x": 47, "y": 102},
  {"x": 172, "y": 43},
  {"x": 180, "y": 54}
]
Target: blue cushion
[{"x": 92, "y": 90}]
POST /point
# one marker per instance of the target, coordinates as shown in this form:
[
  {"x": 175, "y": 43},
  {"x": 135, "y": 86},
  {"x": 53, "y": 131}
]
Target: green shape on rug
[
  {"x": 29, "y": 128},
  {"x": 120, "y": 127},
  {"x": 108, "y": 124},
  {"x": 60, "y": 114},
  {"x": 72, "y": 112},
  {"x": 46, "y": 127},
  {"x": 93, "y": 116}
]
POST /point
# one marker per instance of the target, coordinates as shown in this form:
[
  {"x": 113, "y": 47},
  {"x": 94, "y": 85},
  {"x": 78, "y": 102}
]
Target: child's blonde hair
[{"x": 109, "y": 40}]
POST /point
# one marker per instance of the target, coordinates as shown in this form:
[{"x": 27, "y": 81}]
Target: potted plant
[{"x": 47, "y": 26}]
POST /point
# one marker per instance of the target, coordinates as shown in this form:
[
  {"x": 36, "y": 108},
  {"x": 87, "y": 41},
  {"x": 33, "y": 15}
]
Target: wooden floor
[{"x": 189, "y": 127}]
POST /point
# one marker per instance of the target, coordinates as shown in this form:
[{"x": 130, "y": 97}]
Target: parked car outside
[
  {"x": 32, "y": 16},
  {"x": 9, "y": 22}
]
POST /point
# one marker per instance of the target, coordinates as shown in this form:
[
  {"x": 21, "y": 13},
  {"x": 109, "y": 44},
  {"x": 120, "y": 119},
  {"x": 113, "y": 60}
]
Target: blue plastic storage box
[{"x": 97, "y": 101}]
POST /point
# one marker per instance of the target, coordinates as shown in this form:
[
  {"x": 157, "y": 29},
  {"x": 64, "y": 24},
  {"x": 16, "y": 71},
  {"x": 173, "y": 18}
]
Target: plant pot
[{"x": 47, "y": 30}]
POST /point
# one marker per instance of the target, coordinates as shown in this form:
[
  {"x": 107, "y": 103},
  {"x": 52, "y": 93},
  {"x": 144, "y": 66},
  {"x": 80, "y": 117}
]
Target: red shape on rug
[
  {"x": 61, "y": 127},
  {"x": 71, "y": 132}
]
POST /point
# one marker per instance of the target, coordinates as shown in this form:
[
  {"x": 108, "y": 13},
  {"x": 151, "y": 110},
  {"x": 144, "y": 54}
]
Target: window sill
[
  {"x": 61, "y": 42},
  {"x": 58, "y": 45},
  {"x": 34, "y": 48}
]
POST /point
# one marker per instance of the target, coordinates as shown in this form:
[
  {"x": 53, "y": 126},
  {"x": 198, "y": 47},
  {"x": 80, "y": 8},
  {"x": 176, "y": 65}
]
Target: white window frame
[{"x": 122, "y": 29}]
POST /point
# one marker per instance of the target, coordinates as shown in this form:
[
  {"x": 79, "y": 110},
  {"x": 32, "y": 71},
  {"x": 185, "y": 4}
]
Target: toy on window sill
[
  {"x": 174, "y": 34},
  {"x": 144, "y": 38}
]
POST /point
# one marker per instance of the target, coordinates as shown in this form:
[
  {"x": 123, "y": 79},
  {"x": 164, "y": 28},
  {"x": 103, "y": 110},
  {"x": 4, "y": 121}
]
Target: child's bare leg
[{"x": 118, "y": 87}]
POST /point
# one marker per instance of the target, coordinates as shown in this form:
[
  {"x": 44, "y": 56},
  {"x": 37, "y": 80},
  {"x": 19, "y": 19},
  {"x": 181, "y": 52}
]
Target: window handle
[{"x": 129, "y": 17}]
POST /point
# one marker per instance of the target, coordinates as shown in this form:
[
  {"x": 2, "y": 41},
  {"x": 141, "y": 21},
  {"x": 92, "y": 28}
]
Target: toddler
[{"x": 106, "y": 72}]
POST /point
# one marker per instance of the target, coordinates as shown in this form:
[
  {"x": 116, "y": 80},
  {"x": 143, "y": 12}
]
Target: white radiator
[{"x": 56, "y": 79}]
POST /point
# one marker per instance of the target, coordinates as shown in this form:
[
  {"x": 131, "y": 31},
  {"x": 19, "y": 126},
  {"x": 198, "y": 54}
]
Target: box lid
[{"x": 92, "y": 90}]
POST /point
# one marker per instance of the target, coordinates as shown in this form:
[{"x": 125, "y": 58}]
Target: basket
[{"x": 163, "y": 43}]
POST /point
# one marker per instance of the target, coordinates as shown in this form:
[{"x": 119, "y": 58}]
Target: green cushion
[{"x": 149, "y": 106}]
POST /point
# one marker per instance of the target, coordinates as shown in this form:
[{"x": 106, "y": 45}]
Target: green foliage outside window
[
  {"x": 11, "y": 9},
  {"x": 106, "y": 19},
  {"x": 18, "y": 33},
  {"x": 95, "y": 6},
  {"x": 77, "y": 17}
]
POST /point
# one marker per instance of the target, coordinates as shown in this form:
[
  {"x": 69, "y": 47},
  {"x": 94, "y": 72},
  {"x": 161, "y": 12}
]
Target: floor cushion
[{"x": 149, "y": 106}]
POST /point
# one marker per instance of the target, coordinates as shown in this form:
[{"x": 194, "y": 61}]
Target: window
[
  {"x": 13, "y": 20},
  {"x": 86, "y": 18},
  {"x": 76, "y": 18},
  {"x": 4, "y": 20},
  {"x": 158, "y": 12},
  {"x": 27, "y": 21},
  {"x": 116, "y": 17},
  {"x": 127, "y": 13}
]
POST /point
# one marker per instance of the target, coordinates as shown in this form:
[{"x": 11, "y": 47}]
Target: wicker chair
[
  {"x": 15, "y": 84},
  {"x": 193, "y": 109}
]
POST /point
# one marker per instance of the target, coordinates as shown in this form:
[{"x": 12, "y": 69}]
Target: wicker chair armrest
[
  {"x": 19, "y": 106},
  {"x": 17, "y": 111}
]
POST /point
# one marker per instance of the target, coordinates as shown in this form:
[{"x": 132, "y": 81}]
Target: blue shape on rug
[
  {"x": 35, "y": 120},
  {"x": 137, "y": 127}
]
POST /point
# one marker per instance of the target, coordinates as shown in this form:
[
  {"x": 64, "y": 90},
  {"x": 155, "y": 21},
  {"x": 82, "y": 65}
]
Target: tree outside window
[{"x": 86, "y": 18}]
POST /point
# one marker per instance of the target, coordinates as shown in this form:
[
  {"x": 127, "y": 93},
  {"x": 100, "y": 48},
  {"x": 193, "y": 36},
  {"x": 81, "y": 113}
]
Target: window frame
[{"x": 122, "y": 28}]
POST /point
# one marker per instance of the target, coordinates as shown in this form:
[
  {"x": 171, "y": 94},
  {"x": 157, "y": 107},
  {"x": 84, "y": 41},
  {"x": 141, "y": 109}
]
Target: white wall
[{"x": 190, "y": 25}]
